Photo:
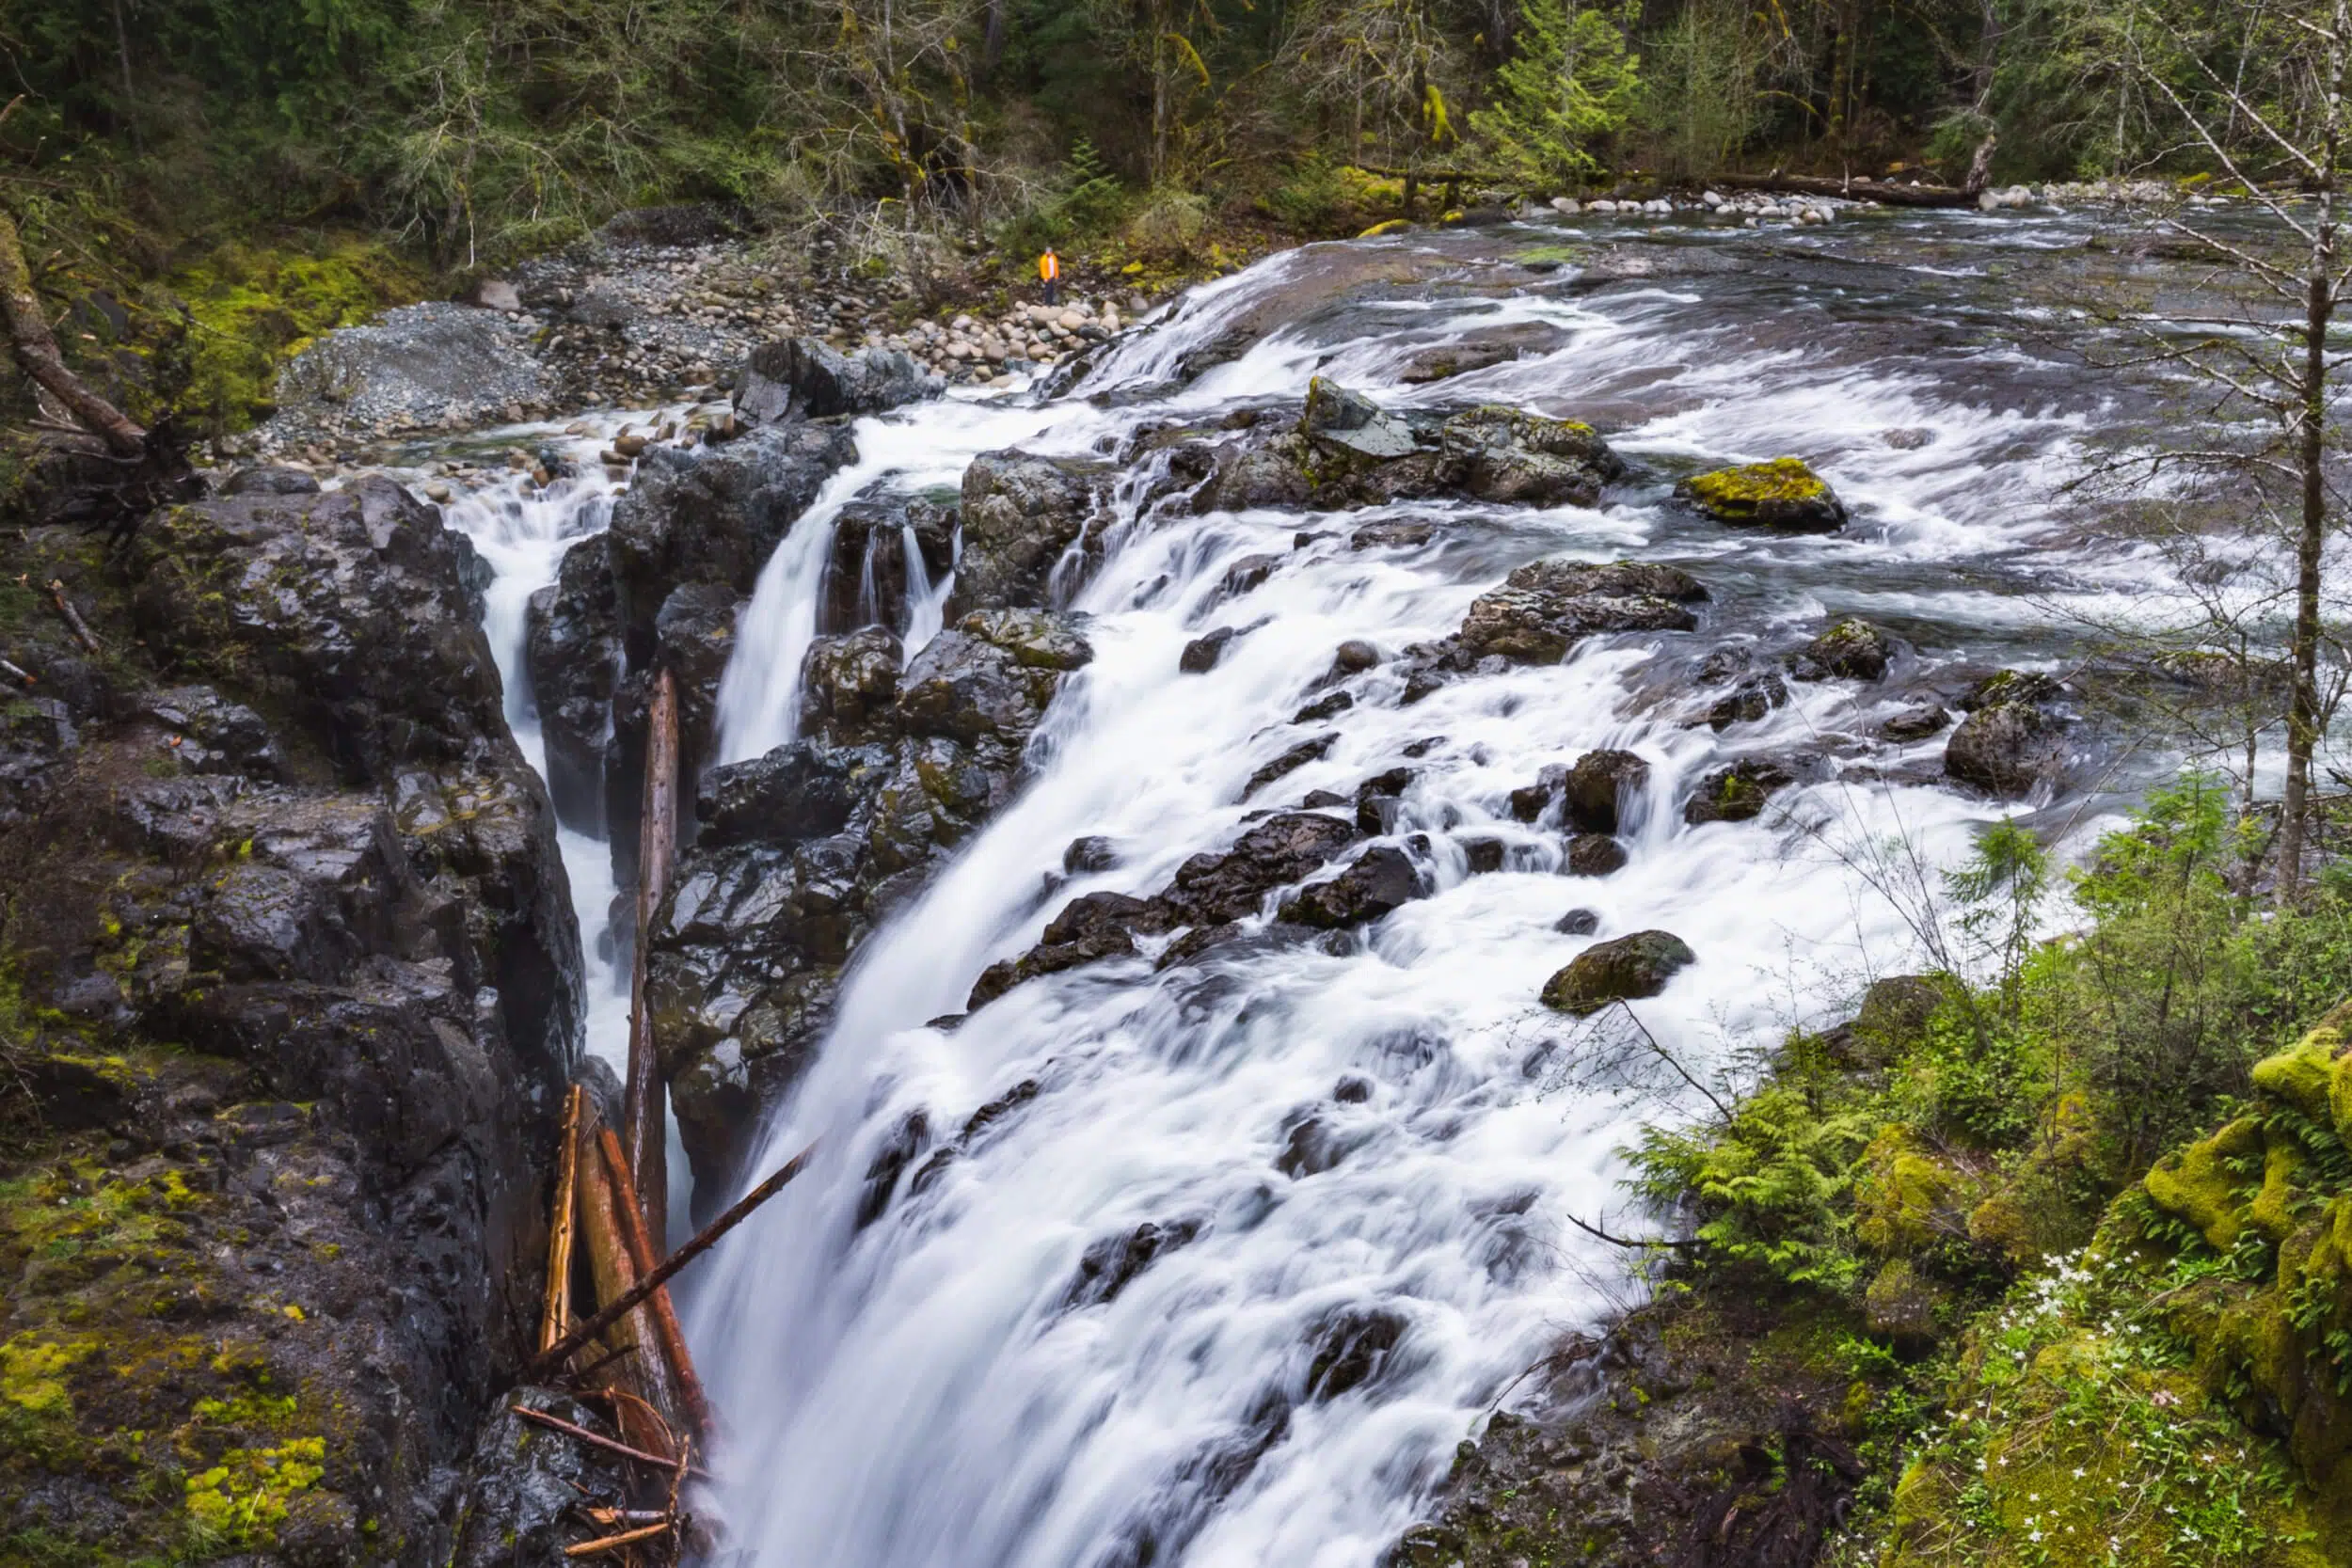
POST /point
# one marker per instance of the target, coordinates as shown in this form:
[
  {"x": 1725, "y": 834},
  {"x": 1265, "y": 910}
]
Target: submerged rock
[
  {"x": 1736, "y": 793},
  {"x": 1851, "y": 649},
  {"x": 1548, "y": 607},
  {"x": 1784, "y": 494},
  {"x": 869, "y": 575},
  {"x": 1625, "y": 969}
]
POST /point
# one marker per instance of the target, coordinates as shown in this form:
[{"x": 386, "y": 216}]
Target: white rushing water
[{"x": 925, "y": 1392}]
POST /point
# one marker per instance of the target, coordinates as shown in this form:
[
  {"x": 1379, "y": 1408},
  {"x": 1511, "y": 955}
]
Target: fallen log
[
  {"x": 1883, "y": 193},
  {"x": 672, "y": 1338},
  {"x": 644, "y": 1125},
  {"x": 612, "y": 1311},
  {"x": 17, "y": 673},
  {"x": 37, "y": 351},
  {"x": 558, "y": 1313},
  {"x": 597, "y": 1440},
  {"x": 644, "y": 1398}
]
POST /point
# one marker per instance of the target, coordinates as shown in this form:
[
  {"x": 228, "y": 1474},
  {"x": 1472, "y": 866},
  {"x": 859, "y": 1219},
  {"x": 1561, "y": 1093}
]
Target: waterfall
[{"x": 1227, "y": 1259}]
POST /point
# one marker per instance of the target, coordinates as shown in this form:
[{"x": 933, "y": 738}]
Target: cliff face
[{"x": 292, "y": 990}]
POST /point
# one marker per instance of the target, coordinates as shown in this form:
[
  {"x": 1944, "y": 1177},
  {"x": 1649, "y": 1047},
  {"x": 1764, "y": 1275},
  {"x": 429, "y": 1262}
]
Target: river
[{"x": 932, "y": 1390}]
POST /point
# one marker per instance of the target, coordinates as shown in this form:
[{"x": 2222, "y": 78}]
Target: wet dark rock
[
  {"x": 350, "y": 612},
  {"x": 2016, "y": 736},
  {"x": 1736, "y": 793},
  {"x": 1346, "y": 452},
  {"x": 693, "y": 639},
  {"x": 1021, "y": 516},
  {"x": 1850, "y": 650},
  {"x": 1202, "y": 653},
  {"x": 214, "y": 735},
  {"x": 802, "y": 790},
  {"x": 713, "y": 514},
  {"x": 1317, "y": 800},
  {"x": 1382, "y": 878},
  {"x": 268, "y": 480},
  {"x": 1246, "y": 574},
  {"x": 1577, "y": 922},
  {"x": 1323, "y": 708},
  {"x": 906, "y": 1144},
  {"x": 1286, "y": 848},
  {"x": 1351, "y": 1350},
  {"x": 1391, "y": 536},
  {"x": 525, "y": 1486},
  {"x": 1504, "y": 455},
  {"x": 1625, "y": 969},
  {"x": 801, "y": 376},
  {"x": 1115, "y": 1263},
  {"x": 1483, "y": 855},
  {"x": 1546, "y": 608},
  {"x": 1915, "y": 723},
  {"x": 1354, "y": 656},
  {"x": 806, "y": 850},
  {"x": 1754, "y": 696},
  {"x": 1098, "y": 926},
  {"x": 850, "y": 686},
  {"x": 572, "y": 653},
  {"x": 1354, "y": 1089},
  {"x": 1315, "y": 1146},
  {"x": 1290, "y": 762},
  {"x": 1595, "y": 855},
  {"x": 866, "y": 577},
  {"x": 1596, "y": 791},
  {"x": 1090, "y": 855}
]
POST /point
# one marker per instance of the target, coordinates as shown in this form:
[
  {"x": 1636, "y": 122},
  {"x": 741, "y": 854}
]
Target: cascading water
[{"x": 1348, "y": 1164}]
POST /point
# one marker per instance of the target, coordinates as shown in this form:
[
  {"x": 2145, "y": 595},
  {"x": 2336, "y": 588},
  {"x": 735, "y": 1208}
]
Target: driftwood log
[
  {"x": 644, "y": 1126},
  {"x": 643, "y": 1399},
  {"x": 612, "y": 1311},
  {"x": 557, "y": 1316},
  {"x": 692, "y": 1403}
]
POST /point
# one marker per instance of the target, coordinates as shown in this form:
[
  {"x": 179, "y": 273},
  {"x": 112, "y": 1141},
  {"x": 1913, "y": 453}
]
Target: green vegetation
[{"x": 2084, "y": 1208}]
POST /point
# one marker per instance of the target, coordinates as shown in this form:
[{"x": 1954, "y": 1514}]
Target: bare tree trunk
[{"x": 2319, "y": 305}]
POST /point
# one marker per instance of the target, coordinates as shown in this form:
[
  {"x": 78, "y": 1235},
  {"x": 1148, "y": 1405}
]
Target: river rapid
[{"x": 1286, "y": 1381}]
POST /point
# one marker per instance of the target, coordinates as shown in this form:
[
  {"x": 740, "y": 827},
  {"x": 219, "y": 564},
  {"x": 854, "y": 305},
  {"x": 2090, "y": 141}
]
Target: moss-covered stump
[{"x": 1784, "y": 494}]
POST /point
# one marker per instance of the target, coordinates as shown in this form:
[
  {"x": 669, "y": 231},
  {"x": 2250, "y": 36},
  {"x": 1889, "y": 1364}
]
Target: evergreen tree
[{"x": 1570, "y": 84}]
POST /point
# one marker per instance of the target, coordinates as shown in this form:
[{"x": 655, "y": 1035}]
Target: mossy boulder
[
  {"x": 1623, "y": 969},
  {"x": 1784, "y": 494},
  {"x": 1909, "y": 1196},
  {"x": 2206, "y": 1184}
]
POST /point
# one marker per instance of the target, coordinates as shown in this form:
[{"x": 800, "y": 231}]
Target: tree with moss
[{"x": 1571, "y": 83}]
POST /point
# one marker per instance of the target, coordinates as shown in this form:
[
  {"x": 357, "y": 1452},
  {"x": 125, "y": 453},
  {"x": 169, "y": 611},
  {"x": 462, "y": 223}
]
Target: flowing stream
[{"x": 1287, "y": 1379}]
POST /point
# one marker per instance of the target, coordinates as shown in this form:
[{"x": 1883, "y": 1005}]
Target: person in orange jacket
[{"x": 1049, "y": 269}]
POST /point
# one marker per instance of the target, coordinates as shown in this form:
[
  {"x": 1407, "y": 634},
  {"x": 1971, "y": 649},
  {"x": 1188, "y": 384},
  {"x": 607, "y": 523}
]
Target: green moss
[
  {"x": 2302, "y": 1076},
  {"x": 252, "y": 309},
  {"x": 1754, "y": 490},
  {"x": 1907, "y": 1197},
  {"x": 2206, "y": 1184},
  {"x": 240, "y": 1501}
]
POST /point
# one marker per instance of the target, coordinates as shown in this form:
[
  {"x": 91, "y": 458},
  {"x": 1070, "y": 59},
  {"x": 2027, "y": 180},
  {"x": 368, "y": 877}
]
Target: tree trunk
[
  {"x": 644, "y": 1125},
  {"x": 2311, "y": 459},
  {"x": 693, "y": 1403},
  {"x": 641, "y": 1378},
  {"x": 37, "y": 351}
]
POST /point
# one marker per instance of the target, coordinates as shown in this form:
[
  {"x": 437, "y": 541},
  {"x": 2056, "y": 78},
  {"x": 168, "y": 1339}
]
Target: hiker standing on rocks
[{"x": 1049, "y": 269}]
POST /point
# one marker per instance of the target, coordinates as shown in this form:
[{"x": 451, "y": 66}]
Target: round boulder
[
  {"x": 1784, "y": 494},
  {"x": 1622, "y": 970}
]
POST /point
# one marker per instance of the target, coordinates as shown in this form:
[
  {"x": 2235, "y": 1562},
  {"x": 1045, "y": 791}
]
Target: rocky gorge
[{"x": 1148, "y": 823}]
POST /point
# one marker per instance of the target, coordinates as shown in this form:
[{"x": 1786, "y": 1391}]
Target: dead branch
[
  {"x": 610, "y": 1313},
  {"x": 1858, "y": 190},
  {"x": 645, "y": 1414},
  {"x": 72, "y": 617},
  {"x": 16, "y": 672},
  {"x": 614, "y": 1543},
  {"x": 597, "y": 1440}
]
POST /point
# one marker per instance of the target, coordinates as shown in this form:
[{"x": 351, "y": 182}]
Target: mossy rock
[
  {"x": 2304, "y": 1075},
  {"x": 1903, "y": 1305},
  {"x": 1625, "y": 970},
  {"x": 1784, "y": 494},
  {"x": 1906, "y": 1196},
  {"x": 2203, "y": 1185}
]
